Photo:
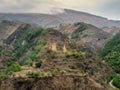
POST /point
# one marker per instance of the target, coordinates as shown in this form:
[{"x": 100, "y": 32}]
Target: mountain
[
  {"x": 48, "y": 59},
  {"x": 86, "y": 35},
  {"x": 51, "y": 20},
  {"x": 111, "y": 30},
  {"x": 82, "y": 33},
  {"x": 7, "y": 28}
]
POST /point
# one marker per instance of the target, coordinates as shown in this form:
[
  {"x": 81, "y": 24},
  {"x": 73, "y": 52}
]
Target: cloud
[
  {"x": 108, "y": 8},
  {"x": 111, "y": 8}
]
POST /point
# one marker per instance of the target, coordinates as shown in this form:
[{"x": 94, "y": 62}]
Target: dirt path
[{"x": 110, "y": 83}]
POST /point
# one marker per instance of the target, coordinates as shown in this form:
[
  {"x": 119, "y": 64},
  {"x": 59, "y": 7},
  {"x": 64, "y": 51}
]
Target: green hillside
[{"x": 111, "y": 53}]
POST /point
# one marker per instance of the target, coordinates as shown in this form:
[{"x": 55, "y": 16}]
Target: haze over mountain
[
  {"x": 48, "y": 45},
  {"x": 67, "y": 17}
]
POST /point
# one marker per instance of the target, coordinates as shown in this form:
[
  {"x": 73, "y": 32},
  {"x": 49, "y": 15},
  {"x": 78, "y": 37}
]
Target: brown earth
[{"x": 50, "y": 83}]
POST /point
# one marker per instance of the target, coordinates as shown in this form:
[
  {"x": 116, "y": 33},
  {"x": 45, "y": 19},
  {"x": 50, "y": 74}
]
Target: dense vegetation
[
  {"x": 26, "y": 41},
  {"x": 12, "y": 66},
  {"x": 116, "y": 81},
  {"x": 111, "y": 53},
  {"x": 21, "y": 45},
  {"x": 8, "y": 66},
  {"x": 34, "y": 54}
]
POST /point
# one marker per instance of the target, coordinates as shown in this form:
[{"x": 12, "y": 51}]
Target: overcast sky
[{"x": 105, "y": 8}]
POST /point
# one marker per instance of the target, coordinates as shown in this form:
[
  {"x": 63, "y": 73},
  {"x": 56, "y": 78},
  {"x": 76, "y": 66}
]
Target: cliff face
[{"x": 50, "y": 83}]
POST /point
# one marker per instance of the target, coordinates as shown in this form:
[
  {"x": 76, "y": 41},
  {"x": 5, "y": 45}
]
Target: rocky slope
[
  {"x": 85, "y": 34},
  {"x": 113, "y": 30},
  {"x": 7, "y": 28},
  {"x": 48, "y": 59}
]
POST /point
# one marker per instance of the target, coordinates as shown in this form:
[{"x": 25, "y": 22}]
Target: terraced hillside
[{"x": 48, "y": 59}]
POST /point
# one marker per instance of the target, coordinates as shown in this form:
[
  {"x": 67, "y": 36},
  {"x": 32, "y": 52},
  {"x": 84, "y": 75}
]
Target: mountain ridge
[{"x": 49, "y": 20}]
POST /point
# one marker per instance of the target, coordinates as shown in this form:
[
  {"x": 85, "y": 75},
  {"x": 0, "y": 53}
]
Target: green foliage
[
  {"x": 111, "y": 53},
  {"x": 110, "y": 77},
  {"x": 27, "y": 40},
  {"x": 38, "y": 64},
  {"x": 116, "y": 81},
  {"x": 52, "y": 54},
  {"x": 33, "y": 75},
  {"x": 5, "y": 52},
  {"x": 6, "y": 72},
  {"x": 54, "y": 73},
  {"x": 1, "y": 76},
  {"x": 76, "y": 34},
  {"x": 3, "y": 73},
  {"x": 28, "y": 62},
  {"x": 37, "y": 49},
  {"x": 12, "y": 66},
  {"x": 72, "y": 66},
  {"x": 75, "y": 54},
  {"x": 34, "y": 54},
  {"x": 112, "y": 45}
]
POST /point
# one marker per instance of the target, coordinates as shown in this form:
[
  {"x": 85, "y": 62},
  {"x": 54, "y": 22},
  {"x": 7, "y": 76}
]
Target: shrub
[
  {"x": 14, "y": 67},
  {"x": 116, "y": 81},
  {"x": 3, "y": 73},
  {"x": 33, "y": 75},
  {"x": 72, "y": 67},
  {"x": 1, "y": 76},
  {"x": 110, "y": 77},
  {"x": 34, "y": 54},
  {"x": 38, "y": 64},
  {"x": 75, "y": 54},
  {"x": 52, "y": 54},
  {"x": 28, "y": 39}
]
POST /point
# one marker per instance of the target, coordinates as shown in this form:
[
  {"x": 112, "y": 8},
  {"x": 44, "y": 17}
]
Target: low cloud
[{"x": 107, "y": 8}]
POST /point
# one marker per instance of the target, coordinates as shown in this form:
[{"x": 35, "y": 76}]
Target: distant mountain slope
[
  {"x": 69, "y": 16},
  {"x": 85, "y": 34},
  {"x": 7, "y": 28},
  {"x": 112, "y": 30}
]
